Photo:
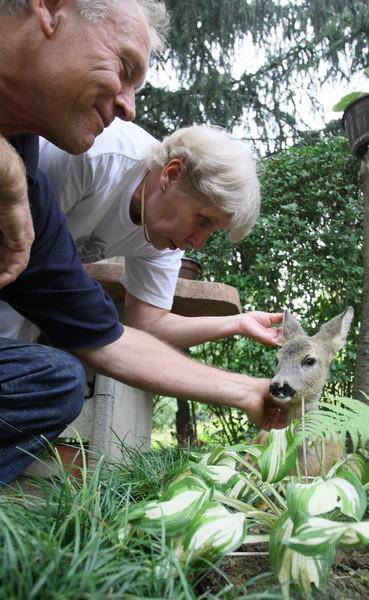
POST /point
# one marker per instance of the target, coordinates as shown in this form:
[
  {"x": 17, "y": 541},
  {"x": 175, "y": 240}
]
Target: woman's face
[{"x": 176, "y": 219}]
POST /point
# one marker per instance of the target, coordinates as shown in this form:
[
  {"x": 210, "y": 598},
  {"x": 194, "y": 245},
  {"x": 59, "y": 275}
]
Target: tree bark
[
  {"x": 184, "y": 425},
  {"x": 361, "y": 379}
]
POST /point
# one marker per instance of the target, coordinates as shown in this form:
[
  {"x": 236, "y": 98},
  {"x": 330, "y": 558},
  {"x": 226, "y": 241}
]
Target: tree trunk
[
  {"x": 361, "y": 379},
  {"x": 184, "y": 425}
]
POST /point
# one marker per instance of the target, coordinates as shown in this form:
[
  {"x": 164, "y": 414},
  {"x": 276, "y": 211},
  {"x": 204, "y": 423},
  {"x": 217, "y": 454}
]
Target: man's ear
[
  {"x": 173, "y": 171},
  {"x": 290, "y": 327},
  {"x": 335, "y": 331},
  {"x": 46, "y": 13}
]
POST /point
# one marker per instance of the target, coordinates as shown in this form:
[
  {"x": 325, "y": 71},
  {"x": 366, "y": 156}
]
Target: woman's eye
[
  {"x": 204, "y": 222},
  {"x": 308, "y": 362}
]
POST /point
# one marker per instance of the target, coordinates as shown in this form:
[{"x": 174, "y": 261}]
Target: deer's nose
[{"x": 281, "y": 390}]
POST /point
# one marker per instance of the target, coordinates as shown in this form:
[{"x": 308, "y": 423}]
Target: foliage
[
  {"x": 210, "y": 507},
  {"x": 348, "y": 98},
  {"x": 209, "y": 74},
  {"x": 345, "y": 417},
  {"x": 60, "y": 538}
]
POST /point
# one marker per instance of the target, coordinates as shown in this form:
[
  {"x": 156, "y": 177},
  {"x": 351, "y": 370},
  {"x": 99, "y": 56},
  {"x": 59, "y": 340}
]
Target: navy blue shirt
[{"x": 54, "y": 291}]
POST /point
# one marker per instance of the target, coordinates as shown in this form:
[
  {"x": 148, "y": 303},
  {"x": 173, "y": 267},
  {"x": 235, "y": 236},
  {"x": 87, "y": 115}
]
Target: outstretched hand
[{"x": 260, "y": 326}]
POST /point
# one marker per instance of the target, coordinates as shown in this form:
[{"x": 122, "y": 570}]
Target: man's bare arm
[
  {"x": 16, "y": 227},
  {"x": 140, "y": 360}
]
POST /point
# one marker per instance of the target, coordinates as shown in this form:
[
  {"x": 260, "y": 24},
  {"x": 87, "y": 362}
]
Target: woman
[{"x": 131, "y": 196}]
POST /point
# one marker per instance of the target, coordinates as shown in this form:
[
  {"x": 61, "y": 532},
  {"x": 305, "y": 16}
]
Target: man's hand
[
  {"x": 260, "y": 326},
  {"x": 16, "y": 238},
  {"x": 262, "y": 409},
  {"x": 16, "y": 227}
]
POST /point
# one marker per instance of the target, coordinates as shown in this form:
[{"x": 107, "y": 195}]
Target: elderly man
[{"x": 65, "y": 72}]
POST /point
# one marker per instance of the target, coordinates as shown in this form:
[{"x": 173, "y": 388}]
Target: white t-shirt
[{"x": 94, "y": 191}]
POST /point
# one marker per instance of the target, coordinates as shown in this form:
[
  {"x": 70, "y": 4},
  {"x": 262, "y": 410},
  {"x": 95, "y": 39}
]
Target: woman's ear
[{"x": 171, "y": 172}]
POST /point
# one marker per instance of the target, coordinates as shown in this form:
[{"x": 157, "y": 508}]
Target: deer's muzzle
[{"x": 282, "y": 391}]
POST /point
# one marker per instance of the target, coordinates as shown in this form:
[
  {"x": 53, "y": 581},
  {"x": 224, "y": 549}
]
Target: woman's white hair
[
  {"x": 154, "y": 12},
  {"x": 219, "y": 168}
]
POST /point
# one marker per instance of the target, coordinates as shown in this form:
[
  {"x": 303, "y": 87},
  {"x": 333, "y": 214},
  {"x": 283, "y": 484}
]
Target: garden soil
[{"x": 349, "y": 579}]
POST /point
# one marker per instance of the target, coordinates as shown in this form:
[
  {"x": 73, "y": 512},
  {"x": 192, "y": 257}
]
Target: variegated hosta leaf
[
  {"x": 290, "y": 566},
  {"x": 213, "y": 474},
  {"x": 314, "y": 535},
  {"x": 213, "y": 533},
  {"x": 324, "y": 495},
  {"x": 279, "y": 456},
  {"x": 356, "y": 464},
  {"x": 237, "y": 486},
  {"x": 177, "y": 507},
  {"x": 220, "y": 456}
]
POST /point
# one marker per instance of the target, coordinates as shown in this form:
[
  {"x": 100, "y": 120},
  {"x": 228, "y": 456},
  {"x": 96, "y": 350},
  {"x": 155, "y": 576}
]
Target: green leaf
[
  {"x": 314, "y": 535},
  {"x": 354, "y": 463},
  {"x": 177, "y": 507},
  {"x": 346, "y": 101},
  {"x": 290, "y": 566},
  {"x": 344, "y": 491},
  {"x": 214, "y": 474},
  {"x": 280, "y": 454},
  {"x": 213, "y": 533},
  {"x": 337, "y": 417},
  {"x": 238, "y": 486}
]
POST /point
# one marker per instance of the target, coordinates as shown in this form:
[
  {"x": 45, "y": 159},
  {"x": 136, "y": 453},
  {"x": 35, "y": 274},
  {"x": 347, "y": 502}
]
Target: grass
[{"x": 61, "y": 541}]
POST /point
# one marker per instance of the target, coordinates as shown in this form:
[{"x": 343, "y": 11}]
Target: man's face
[{"x": 93, "y": 72}]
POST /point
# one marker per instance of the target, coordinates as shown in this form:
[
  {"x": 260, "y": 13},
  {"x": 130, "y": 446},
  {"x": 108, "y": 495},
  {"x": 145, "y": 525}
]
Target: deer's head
[{"x": 303, "y": 361}]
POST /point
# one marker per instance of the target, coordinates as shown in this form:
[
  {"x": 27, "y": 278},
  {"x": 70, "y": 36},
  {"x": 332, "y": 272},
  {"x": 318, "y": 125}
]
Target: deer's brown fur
[{"x": 302, "y": 369}]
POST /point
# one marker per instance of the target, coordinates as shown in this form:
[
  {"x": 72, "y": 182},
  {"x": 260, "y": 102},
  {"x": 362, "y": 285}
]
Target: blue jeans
[{"x": 41, "y": 392}]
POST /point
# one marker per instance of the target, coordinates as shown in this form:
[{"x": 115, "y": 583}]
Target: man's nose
[{"x": 125, "y": 104}]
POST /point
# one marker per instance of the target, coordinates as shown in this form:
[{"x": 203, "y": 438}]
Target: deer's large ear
[
  {"x": 291, "y": 327},
  {"x": 335, "y": 331}
]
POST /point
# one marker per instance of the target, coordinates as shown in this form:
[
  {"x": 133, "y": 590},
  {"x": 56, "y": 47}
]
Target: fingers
[
  {"x": 276, "y": 318},
  {"x": 277, "y": 418},
  {"x": 10, "y": 272}
]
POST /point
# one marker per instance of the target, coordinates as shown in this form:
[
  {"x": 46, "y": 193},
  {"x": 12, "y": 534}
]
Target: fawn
[{"x": 302, "y": 369}]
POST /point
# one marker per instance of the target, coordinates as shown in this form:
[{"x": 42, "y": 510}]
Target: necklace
[{"x": 143, "y": 210}]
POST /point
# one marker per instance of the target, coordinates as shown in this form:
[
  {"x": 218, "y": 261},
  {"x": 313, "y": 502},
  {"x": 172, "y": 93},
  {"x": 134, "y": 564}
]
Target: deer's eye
[{"x": 308, "y": 362}]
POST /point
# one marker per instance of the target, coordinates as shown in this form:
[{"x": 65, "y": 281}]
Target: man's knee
[
  {"x": 41, "y": 381},
  {"x": 71, "y": 378}
]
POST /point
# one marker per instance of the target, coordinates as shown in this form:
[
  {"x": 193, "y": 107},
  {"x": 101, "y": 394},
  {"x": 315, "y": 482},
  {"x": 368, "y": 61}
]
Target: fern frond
[{"x": 337, "y": 417}]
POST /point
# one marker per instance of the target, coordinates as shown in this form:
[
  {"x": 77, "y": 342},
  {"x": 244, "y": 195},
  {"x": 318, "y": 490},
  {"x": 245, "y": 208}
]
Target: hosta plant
[{"x": 250, "y": 494}]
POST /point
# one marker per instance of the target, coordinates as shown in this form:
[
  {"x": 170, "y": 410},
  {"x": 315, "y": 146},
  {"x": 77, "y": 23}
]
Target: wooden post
[{"x": 361, "y": 379}]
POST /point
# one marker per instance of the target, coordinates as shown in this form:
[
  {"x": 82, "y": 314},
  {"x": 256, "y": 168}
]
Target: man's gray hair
[
  {"x": 154, "y": 12},
  {"x": 219, "y": 168}
]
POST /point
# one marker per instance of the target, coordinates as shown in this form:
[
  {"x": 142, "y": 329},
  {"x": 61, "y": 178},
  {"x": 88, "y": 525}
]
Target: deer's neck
[{"x": 295, "y": 411}]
